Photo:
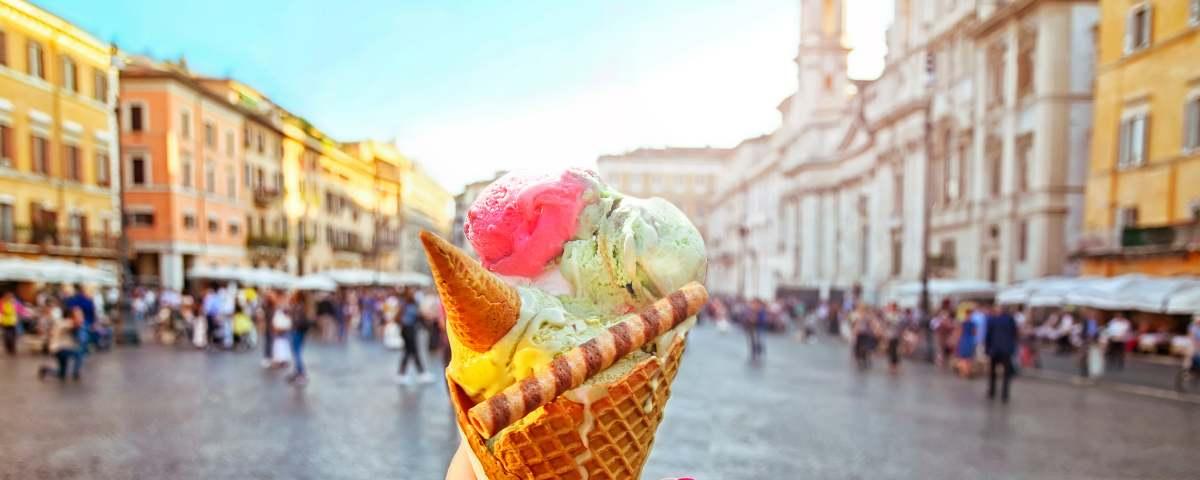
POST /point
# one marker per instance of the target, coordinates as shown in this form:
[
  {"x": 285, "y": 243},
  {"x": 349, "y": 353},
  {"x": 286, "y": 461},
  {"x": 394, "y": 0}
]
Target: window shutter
[
  {"x": 1145, "y": 140},
  {"x": 6, "y": 146},
  {"x": 1123, "y": 144},
  {"x": 1147, "y": 26},
  {"x": 1192, "y": 135},
  {"x": 1129, "y": 30}
]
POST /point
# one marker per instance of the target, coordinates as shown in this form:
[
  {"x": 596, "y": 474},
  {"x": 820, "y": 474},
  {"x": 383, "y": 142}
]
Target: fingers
[{"x": 460, "y": 465}]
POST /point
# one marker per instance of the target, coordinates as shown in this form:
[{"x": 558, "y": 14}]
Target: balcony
[
  {"x": 264, "y": 196},
  {"x": 1143, "y": 241},
  {"x": 351, "y": 247},
  {"x": 277, "y": 242},
  {"x": 50, "y": 240}
]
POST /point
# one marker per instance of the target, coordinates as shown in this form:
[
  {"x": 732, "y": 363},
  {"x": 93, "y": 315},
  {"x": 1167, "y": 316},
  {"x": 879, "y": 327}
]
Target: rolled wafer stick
[{"x": 575, "y": 366}]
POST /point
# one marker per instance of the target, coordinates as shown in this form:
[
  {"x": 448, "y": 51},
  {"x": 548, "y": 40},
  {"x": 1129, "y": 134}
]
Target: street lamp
[{"x": 743, "y": 232}]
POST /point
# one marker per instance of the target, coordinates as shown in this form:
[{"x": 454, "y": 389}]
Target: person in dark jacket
[{"x": 1000, "y": 344}]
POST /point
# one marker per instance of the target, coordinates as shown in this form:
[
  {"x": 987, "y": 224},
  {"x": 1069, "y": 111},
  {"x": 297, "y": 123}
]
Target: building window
[
  {"x": 185, "y": 170},
  {"x": 995, "y": 73},
  {"x": 100, "y": 85},
  {"x": 262, "y": 145},
  {"x": 37, "y": 67},
  {"x": 6, "y": 222},
  {"x": 189, "y": 221},
  {"x": 70, "y": 80},
  {"x": 1024, "y": 151},
  {"x": 229, "y": 143},
  {"x": 4, "y": 51},
  {"x": 1132, "y": 143},
  {"x": 210, "y": 177},
  {"x": 993, "y": 270},
  {"x": 185, "y": 124},
  {"x": 71, "y": 165},
  {"x": 949, "y": 253},
  {"x": 139, "y": 167},
  {"x": 39, "y": 149},
  {"x": 141, "y": 219},
  {"x": 1022, "y": 240},
  {"x": 1025, "y": 60},
  {"x": 246, "y": 177},
  {"x": 1126, "y": 217},
  {"x": 1137, "y": 28},
  {"x": 210, "y": 134},
  {"x": 1191, "y": 123},
  {"x": 230, "y": 181},
  {"x": 213, "y": 225},
  {"x": 995, "y": 172},
  {"x": 137, "y": 118},
  {"x": 102, "y": 168},
  {"x": 6, "y": 146},
  {"x": 234, "y": 229}
]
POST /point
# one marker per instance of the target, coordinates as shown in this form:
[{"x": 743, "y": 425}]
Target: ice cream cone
[
  {"x": 480, "y": 307},
  {"x": 589, "y": 433}
]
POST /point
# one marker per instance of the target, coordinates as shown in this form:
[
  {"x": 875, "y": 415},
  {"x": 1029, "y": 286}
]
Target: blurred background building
[
  {"x": 218, "y": 175},
  {"x": 58, "y": 139},
  {"x": 684, "y": 176},
  {"x": 462, "y": 202},
  {"x": 979, "y": 120},
  {"x": 1143, "y": 186}
]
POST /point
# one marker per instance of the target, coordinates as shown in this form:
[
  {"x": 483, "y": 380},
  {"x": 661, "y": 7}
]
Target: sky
[{"x": 469, "y": 87}]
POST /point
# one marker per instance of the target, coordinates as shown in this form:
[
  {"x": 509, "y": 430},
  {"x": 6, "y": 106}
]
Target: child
[
  {"x": 64, "y": 344},
  {"x": 243, "y": 327}
]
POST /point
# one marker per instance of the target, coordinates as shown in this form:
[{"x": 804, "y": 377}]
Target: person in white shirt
[{"x": 1117, "y": 335}]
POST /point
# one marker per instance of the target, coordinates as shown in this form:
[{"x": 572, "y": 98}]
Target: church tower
[{"x": 821, "y": 60}]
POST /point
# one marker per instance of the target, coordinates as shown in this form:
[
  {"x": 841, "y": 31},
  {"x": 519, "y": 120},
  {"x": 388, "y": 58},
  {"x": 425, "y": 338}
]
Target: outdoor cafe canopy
[
  {"x": 53, "y": 271},
  {"x": 1172, "y": 295}
]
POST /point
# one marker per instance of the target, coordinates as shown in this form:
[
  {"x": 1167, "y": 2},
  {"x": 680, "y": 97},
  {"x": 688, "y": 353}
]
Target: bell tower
[{"x": 821, "y": 60}]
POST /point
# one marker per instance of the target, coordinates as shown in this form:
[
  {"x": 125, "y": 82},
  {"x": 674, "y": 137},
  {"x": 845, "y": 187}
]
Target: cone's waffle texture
[
  {"x": 552, "y": 446},
  {"x": 480, "y": 307}
]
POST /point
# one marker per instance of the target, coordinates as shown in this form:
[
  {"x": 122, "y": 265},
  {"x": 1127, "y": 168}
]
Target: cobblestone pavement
[{"x": 158, "y": 413}]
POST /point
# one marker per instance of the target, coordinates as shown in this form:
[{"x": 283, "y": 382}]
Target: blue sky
[{"x": 468, "y": 87}]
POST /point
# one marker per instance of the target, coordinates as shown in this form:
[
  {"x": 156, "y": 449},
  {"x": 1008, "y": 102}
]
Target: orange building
[
  {"x": 181, "y": 148},
  {"x": 1142, "y": 208}
]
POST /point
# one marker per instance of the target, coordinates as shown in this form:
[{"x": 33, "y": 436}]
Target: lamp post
[
  {"x": 129, "y": 331},
  {"x": 927, "y": 209}
]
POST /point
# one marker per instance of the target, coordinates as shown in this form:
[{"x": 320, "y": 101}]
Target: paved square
[{"x": 159, "y": 413}]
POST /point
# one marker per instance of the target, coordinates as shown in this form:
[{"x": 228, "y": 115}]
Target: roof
[{"x": 658, "y": 154}]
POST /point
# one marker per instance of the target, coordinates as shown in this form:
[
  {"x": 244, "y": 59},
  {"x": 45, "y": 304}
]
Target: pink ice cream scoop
[{"x": 519, "y": 223}]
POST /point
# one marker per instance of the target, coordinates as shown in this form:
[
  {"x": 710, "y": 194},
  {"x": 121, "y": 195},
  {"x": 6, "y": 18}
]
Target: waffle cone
[
  {"x": 480, "y": 307},
  {"x": 550, "y": 443}
]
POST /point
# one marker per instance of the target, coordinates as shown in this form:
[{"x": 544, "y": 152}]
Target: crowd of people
[
  {"x": 68, "y": 322},
  {"x": 966, "y": 337}
]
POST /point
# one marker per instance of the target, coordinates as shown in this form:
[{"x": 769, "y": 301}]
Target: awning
[
  {"x": 908, "y": 294},
  {"x": 315, "y": 282},
  {"x": 361, "y": 277},
  {"x": 1185, "y": 301},
  {"x": 53, "y": 271},
  {"x": 1128, "y": 292}
]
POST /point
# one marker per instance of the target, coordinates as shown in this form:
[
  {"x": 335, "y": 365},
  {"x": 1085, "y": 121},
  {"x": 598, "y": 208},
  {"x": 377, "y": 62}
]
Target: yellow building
[
  {"x": 407, "y": 201},
  {"x": 57, "y": 139},
  {"x": 1142, "y": 210}
]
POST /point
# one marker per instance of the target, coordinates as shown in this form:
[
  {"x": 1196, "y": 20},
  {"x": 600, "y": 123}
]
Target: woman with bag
[{"x": 281, "y": 324}]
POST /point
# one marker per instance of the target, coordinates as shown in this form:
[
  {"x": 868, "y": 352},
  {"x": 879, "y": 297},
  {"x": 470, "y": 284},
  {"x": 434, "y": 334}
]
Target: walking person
[
  {"x": 410, "y": 315},
  {"x": 302, "y": 320},
  {"x": 65, "y": 345},
  {"x": 967, "y": 343},
  {"x": 263, "y": 316},
  {"x": 81, "y": 300},
  {"x": 10, "y": 312},
  {"x": 1117, "y": 335},
  {"x": 894, "y": 326},
  {"x": 1000, "y": 345}
]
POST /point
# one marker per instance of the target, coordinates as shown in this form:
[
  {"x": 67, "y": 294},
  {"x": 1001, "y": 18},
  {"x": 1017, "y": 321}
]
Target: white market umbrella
[
  {"x": 21, "y": 270},
  {"x": 1184, "y": 302},
  {"x": 315, "y": 282}
]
